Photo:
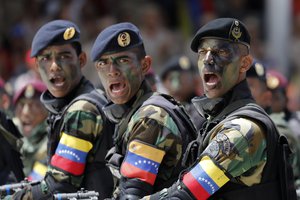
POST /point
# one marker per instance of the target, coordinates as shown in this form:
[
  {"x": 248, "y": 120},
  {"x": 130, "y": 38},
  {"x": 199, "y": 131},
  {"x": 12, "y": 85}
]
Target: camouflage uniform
[
  {"x": 238, "y": 154},
  {"x": 34, "y": 153},
  {"x": 74, "y": 139},
  {"x": 152, "y": 136},
  {"x": 232, "y": 152}
]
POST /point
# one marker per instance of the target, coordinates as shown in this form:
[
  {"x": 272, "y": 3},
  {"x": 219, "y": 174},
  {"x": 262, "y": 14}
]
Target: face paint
[
  {"x": 218, "y": 63},
  {"x": 59, "y": 68},
  {"x": 120, "y": 75}
]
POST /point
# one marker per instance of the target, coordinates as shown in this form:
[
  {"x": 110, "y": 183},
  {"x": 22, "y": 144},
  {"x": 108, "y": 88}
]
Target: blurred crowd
[{"x": 166, "y": 26}]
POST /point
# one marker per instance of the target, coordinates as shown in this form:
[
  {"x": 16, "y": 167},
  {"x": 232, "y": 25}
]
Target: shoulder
[
  {"x": 241, "y": 129},
  {"x": 83, "y": 105},
  {"x": 157, "y": 113}
]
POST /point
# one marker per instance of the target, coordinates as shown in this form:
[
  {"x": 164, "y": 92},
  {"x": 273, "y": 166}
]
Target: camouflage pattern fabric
[
  {"x": 34, "y": 150},
  {"x": 150, "y": 131},
  {"x": 82, "y": 126},
  {"x": 154, "y": 126},
  {"x": 238, "y": 146}
]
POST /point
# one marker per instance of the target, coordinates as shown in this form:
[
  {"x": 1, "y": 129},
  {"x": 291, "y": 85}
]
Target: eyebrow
[{"x": 114, "y": 58}]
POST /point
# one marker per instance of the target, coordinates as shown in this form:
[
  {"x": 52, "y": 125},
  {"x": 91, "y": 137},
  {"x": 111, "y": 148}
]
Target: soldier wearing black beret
[
  {"x": 78, "y": 133},
  {"x": 236, "y": 155},
  {"x": 256, "y": 78}
]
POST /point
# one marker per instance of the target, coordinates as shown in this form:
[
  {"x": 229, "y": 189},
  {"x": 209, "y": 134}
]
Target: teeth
[{"x": 210, "y": 84}]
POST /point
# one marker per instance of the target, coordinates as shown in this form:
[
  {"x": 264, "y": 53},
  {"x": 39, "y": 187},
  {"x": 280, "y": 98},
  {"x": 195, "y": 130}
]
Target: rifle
[
  {"x": 79, "y": 195},
  {"x": 10, "y": 189}
]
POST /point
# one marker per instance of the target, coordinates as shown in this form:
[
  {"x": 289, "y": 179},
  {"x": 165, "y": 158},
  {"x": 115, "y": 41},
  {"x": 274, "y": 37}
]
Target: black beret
[
  {"x": 257, "y": 70},
  {"x": 178, "y": 63},
  {"x": 116, "y": 38},
  {"x": 56, "y": 32},
  {"x": 224, "y": 28}
]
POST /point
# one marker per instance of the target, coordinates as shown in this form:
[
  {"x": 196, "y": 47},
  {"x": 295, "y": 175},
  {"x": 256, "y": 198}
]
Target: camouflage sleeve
[
  {"x": 152, "y": 136},
  {"x": 236, "y": 151},
  {"x": 82, "y": 124}
]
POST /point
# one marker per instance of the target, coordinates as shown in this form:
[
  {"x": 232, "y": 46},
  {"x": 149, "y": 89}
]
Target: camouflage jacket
[
  {"x": 237, "y": 150},
  {"x": 75, "y": 134},
  {"x": 151, "y": 142},
  {"x": 34, "y": 153}
]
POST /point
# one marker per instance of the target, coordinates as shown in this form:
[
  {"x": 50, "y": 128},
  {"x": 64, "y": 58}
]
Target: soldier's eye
[
  {"x": 202, "y": 52},
  {"x": 43, "y": 58},
  {"x": 101, "y": 64},
  {"x": 223, "y": 52},
  {"x": 123, "y": 61}
]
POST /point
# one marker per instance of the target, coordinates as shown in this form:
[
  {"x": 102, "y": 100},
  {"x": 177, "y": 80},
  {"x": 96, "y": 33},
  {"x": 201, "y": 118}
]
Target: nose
[
  {"x": 113, "y": 70},
  {"x": 54, "y": 66},
  {"x": 209, "y": 59},
  {"x": 25, "y": 110}
]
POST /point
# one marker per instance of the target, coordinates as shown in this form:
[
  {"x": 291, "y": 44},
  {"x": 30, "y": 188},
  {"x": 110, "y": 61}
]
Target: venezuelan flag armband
[
  {"x": 70, "y": 155},
  {"x": 205, "y": 179},
  {"x": 142, "y": 161}
]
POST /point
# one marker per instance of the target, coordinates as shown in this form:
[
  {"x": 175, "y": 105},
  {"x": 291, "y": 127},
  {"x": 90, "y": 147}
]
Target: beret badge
[
  {"x": 236, "y": 32},
  {"x": 69, "y": 33},
  {"x": 272, "y": 82},
  {"x": 29, "y": 91},
  {"x": 259, "y": 69},
  {"x": 124, "y": 39},
  {"x": 184, "y": 63}
]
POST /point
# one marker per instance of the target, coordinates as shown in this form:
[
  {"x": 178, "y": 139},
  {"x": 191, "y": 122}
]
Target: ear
[
  {"x": 246, "y": 63},
  {"x": 82, "y": 59},
  {"x": 146, "y": 64}
]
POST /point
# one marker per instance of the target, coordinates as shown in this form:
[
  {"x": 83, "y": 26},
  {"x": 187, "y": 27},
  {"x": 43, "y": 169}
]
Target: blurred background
[{"x": 167, "y": 28}]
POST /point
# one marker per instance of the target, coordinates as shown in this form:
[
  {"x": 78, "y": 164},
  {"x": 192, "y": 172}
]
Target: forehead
[
  {"x": 59, "y": 48},
  {"x": 214, "y": 43},
  {"x": 118, "y": 54}
]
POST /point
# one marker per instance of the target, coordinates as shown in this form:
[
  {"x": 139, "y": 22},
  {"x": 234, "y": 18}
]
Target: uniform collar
[
  {"x": 212, "y": 107},
  {"x": 115, "y": 112}
]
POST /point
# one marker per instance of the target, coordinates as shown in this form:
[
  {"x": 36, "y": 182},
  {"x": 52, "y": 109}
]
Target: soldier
[
  {"x": 277, "y": 84},
  {"x": 256, "y": 78},
  {"x": 79, "y": 133},
  {"x": 237, "y": 156},
  {"x": 30, "y": 116},
  {"x": 153, "y": 129},
  {"x": 181, "y": 81},
  {"x": 264, "y": 87}
]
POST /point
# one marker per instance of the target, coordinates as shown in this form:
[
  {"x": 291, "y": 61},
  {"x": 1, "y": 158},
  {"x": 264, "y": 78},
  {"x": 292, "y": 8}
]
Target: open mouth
[
  {"x": 58, "y": 81},
  {"x": 117, "y": 88},
  {"x": 211, "y": 79},
  {"x": 27, "y": 127}
]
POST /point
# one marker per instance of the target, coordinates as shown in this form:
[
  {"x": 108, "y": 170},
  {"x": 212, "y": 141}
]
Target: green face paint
[
  {"x": 218, "y": 63},
  {"x": 120, "y": 74},
  {"x": 59, "y": 68}
]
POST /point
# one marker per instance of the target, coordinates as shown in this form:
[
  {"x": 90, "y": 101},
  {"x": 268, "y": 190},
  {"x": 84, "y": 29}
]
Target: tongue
[
  {"x": 117, "y": 87},
  {"x": 58, "y": 81},
  {"x": 212, "y": 79}
]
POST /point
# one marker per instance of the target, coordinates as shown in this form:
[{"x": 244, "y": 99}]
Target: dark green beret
[
  {"x": 224, "y": 28},
  {"x": 57, "y": 32},
  {"x": 116, "y": 38}
]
